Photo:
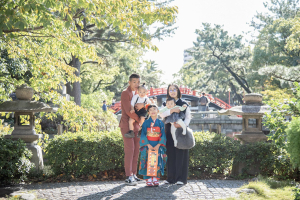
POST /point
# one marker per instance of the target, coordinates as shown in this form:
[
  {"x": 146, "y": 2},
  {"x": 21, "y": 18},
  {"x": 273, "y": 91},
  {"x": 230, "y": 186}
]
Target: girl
[
  {"x": 141, "y": 97},
  {"x": 153, "y": 137},
  {"x": 174, "y": 117}
]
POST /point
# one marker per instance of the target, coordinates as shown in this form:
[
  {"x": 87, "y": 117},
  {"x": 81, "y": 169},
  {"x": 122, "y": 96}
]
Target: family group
[{"x": 145, "y": 134}]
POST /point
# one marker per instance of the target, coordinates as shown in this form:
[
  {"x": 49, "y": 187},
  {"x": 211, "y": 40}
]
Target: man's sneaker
[
  {"x": 130, "y": 134},
  {"x": 130, "y": 181},
  {"x": 138, "y": 180}
]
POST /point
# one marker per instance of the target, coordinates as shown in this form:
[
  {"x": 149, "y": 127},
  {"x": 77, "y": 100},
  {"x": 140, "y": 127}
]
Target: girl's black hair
[
  {"x": 143, "y": 86},
  {"x": 151, "y": 106},
  {"x": 171, "y": 99}
]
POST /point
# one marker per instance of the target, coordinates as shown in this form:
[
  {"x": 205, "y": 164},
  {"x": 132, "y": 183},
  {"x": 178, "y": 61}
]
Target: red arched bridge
[{"x": 187, "y": 94}]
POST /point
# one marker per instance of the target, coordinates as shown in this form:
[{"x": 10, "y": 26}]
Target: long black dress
[{"x": 178, "y": 159}]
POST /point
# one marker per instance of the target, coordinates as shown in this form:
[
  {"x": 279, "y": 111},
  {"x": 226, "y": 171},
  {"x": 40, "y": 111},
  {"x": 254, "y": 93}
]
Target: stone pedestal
[
  {"x": 238, "y": 167},
  {"x": 252, "y": 110},
  {"x": 37, "y": 155},
  {"x": 30, "y": 140},
  {"x": 24, "y": 129}
]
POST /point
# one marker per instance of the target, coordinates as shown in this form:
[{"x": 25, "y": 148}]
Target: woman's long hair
[{"x": 177, "y": 88}]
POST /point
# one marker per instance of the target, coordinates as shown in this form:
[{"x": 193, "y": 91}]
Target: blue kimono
[{"x": 153, "y": 133}]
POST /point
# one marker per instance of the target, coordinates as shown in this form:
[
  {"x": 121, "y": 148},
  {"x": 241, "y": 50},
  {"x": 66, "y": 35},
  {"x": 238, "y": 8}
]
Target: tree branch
[
  {"x": 286, "y": 79},
  {"x": 92, "y": 62},
  {"x": 103, "y": 84},
  {"x": 234, "y": 75},
  {"x": 37, "y": 36},
  {"x": 106, "y": 40},
  {"x": 25, "y": 30}
]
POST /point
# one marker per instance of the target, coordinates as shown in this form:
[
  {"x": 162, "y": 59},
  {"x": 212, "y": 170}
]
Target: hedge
[
  {"x": 14, "y": 161},
  {"x": 84, "y": 153},
  {"x": 212, "y": 152}
]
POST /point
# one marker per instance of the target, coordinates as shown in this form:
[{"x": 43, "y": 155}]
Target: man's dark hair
[
  {"x": 171, "y": 99},
  {"x": 203, "y": 93},
  {"x": 104, "y": 101},
  {"x": 151, "y": 106},
  {"x": 177, "y": 88},
  {"x": 134, "y": 76}
]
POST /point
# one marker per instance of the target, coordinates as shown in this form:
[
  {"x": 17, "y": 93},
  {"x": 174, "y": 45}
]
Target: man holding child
[{"x": 131, "y": 145}]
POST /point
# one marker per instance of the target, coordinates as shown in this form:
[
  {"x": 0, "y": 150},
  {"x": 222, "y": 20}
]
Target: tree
[
  {"x": 50, "y": 34},
  {"x": 220, "y": 61},
  {"x": 120, "y": 63},
  {"x": 276, "y": 48},
  {"x": 151, "y": 75},
  {"x": 107, "y": 37}
]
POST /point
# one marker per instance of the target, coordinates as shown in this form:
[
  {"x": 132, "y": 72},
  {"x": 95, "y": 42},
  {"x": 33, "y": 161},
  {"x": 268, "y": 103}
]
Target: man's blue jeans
[{"x": 203, "y": 108}]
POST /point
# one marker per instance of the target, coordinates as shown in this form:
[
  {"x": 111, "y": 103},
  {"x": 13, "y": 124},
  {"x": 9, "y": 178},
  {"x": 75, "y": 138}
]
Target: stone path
[{"x": 195, "y": 189}]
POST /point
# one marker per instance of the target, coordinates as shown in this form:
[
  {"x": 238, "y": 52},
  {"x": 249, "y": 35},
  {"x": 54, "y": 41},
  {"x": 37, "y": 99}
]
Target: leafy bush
[
  {"x": 293, "y": 138},
  {"x": 212, "y": 152},
  {"x": 14, "y": 161},
  {"x": 85, "y": 153},
  {"x": 276, "y": 121},
  {"x": 273, "y": 160},
  {"x": 261, "y": 152}
]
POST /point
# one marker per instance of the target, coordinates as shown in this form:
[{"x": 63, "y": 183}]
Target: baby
[
  {"x": 174, "y": 117},
  {"x": 141, "y": 97}
]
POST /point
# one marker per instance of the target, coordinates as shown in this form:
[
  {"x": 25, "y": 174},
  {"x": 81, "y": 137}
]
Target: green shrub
[
  {"x": 212, "y": 152},
  {"x": 258, "y": 152},
  {"x": 84, "y": 153},
  {"x": 293, "y": 138},
  {"x": 14, "y": 161},
  {"x": 273, "y": 160}
]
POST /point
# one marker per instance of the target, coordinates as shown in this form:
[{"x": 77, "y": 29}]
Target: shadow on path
[
  {"x": 6, "y": 191},
  {"x": 136, "y": 192}
]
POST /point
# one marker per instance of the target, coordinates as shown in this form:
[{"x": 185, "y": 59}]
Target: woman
[{"x": 178, "y": 159}]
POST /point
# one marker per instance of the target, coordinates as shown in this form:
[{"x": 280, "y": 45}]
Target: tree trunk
[
  {"x": 237, "y": 79},
  {"x": 75, "y": 91},
  {"x": 76, "y": 85},
  {"x": 234, "y": 75},
  {"x": 233, "y": 89}
]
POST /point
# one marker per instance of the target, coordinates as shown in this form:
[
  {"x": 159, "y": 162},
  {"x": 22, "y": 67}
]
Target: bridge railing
[
  {"x": 159, "y": 91},
  {"x": 116, "y": 107},
  {"x": 218, "y": 102},
  {"x": 183, "y": 90}
]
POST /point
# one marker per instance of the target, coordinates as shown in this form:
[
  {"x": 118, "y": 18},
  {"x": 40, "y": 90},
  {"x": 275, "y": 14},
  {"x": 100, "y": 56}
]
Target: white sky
[{"x": 233, "y": 14}]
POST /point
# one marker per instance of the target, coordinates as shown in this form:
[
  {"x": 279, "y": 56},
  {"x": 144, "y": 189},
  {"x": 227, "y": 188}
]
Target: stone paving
[{"x": 194, "y": 189}]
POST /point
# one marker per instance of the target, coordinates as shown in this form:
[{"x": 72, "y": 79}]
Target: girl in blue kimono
[{"x": 153, "y": 137}]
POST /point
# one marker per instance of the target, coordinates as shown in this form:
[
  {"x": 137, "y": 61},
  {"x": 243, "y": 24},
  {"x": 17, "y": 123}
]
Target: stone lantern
[
  {"x": 24, "y": 108},
  {"x": 252, "y": 110}
]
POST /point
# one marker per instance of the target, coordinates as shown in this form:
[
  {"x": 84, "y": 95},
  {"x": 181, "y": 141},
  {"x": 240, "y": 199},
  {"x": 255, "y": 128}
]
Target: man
[
  {"x": 203, "y": 103},
  {"x": 104, "y": 106},
  {"x": 131, "y": 145}
]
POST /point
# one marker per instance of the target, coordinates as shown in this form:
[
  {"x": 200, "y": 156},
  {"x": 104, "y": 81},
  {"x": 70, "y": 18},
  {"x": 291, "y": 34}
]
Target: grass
[{"x": 267, "y": 188}]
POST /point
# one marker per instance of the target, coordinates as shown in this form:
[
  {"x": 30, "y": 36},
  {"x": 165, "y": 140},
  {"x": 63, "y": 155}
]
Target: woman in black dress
[{"x": 178, "y": 159}]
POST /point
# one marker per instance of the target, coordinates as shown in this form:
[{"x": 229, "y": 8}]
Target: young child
[
  {"x": 153, "y": 137},
  {"x": 141, "y": 97},
  {"x": 174, "y": 117}
]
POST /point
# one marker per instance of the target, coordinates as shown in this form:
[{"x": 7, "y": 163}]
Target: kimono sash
[{"x": 153, "y": 134}]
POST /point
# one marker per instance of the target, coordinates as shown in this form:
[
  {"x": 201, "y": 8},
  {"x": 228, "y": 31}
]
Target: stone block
[{"x": 37, "y": 156}]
